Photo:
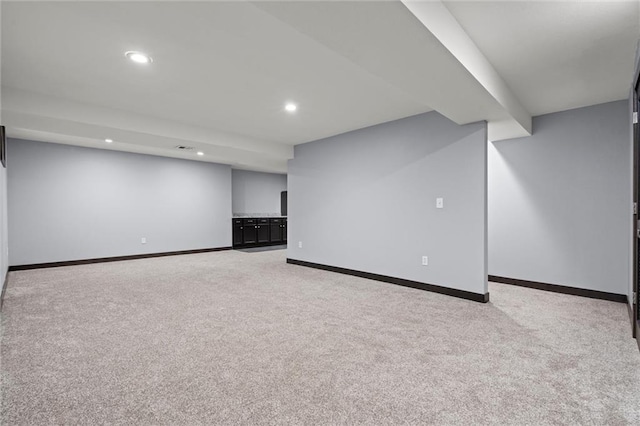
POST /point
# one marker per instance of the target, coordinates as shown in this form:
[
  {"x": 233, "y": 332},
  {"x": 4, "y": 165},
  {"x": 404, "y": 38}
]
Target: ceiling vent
[{"x": 184, "y": 148}]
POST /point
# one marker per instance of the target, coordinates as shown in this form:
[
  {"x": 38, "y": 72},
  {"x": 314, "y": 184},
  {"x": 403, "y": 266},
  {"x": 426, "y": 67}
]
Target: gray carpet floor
[{"x": 214, "y": 338}]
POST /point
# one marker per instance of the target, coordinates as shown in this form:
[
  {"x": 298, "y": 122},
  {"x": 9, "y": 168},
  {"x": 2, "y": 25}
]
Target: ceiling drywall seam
[
  {"x": 47, "y": 106},
  {"x": 39, "y": 117},
  {"x": 435, "y": 16}
]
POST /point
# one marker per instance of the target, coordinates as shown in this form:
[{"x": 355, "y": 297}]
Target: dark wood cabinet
[
  {"x": 250, "y": 231},
  {"x": 284, "y": 230},
  {"x": 263, "y": 230},
  {"x": 238, "y": 238},
  {"x": 275, "y": 227},
  {"x": 279, "y": 230},
  {"x": 254, "y": 232}
]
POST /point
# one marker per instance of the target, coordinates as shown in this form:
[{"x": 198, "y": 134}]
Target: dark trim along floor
[
  {"x": 4, "y": 288},
  {"x": 112, "y": 259},
  {"x": 594, "y": 294},
  {"x": 476, "y": 297}
]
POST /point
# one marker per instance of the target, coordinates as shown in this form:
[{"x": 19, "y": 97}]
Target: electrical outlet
[
  {"x": 299, "y": 244},
  {"x": 143, "y": 240},
  {"x": 439, "y": 203},
  {"x": 425, "y": 260}
]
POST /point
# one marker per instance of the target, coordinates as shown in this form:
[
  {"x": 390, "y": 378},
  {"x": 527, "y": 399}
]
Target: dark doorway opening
[
  {"x": 283, "y": 203},
  {"x": 635, "y": 302}
]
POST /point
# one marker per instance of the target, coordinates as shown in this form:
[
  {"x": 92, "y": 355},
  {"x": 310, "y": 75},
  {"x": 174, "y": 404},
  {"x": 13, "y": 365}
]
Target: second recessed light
[
  {"x": 108, "y": 140},
  {"x": 200, "y": 153},
  {"x": 291, "y": 107},
  {"x": 138, "y": 57}
]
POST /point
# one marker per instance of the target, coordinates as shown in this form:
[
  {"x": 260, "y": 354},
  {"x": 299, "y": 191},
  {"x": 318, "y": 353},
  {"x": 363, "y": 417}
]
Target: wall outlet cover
[
  {"x": 425, "y": 260},
  {"x": 299, "y": 244}
]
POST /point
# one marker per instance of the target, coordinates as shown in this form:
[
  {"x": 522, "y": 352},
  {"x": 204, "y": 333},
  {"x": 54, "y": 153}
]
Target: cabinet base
[{"x": 272, "y": 243}]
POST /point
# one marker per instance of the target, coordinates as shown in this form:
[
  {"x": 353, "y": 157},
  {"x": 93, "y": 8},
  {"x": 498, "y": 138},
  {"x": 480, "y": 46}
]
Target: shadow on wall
[
  {"x": 506, "y": 214},
  {"x": 388, "y": 158},
  {"x": 359, "y": 189},
  {"x": 559, "y": 203},
  {"x": 366, "y": 201}
]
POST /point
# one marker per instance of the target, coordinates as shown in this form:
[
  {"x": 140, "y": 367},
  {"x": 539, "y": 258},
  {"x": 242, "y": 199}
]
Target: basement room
[{"x": 319, "y": 212}]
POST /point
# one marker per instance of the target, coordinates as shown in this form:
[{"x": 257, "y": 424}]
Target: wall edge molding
[
  {"x": 113, "y": 259},
  {"x": 557, "y": 288},
  {"x": 462, "y": 294},
  {"x": 4, "y": 288}
]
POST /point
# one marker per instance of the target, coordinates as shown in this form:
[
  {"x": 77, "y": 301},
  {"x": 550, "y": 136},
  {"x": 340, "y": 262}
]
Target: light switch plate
[{"x": 439, "y": 203}]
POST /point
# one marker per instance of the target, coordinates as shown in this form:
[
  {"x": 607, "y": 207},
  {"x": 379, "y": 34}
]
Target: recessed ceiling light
[
  {"x": 200, "y": 153},
  {"x": 138, "y": 57},
  {"x": 291, "y": 107},
  {"x": 108, "y": 140}
]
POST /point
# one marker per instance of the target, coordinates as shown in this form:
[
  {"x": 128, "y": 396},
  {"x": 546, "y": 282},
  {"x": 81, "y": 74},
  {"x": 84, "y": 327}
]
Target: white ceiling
[
  {"x": 556, "y": 55},
  {"x": 223, "y": 71}
]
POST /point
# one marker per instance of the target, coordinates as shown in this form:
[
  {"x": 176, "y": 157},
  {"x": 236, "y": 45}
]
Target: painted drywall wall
[
  {"x": 366, "y": 200},
  {"x": 68, "y": 203},
  {"x": 4, "y": 232},
  {"x": 256, "y": 193},
  {"x": 559, "y": 200},
  {"x": 632, "y": 238}
]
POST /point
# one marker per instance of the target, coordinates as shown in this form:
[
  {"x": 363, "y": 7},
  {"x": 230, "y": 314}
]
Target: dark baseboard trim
[
  {"x": 4, "y": 288},
  {"x": 593, "y": 294},
  {"x": 476, "y": 297},
  {"x": 112, "y": 259}
]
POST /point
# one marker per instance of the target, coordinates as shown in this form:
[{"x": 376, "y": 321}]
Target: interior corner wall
[
  {"x": 70, "y": 203},
  {"x": 631, "y": 241},
  {"x": 559, "y": 200},
  {"x": 366, "y": 201},
  {"x": 4, "y": 232},
  {"x": 257, "y": 193}
]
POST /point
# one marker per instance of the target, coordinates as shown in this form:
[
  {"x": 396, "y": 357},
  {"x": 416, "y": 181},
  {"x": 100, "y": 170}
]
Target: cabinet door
[
  {"x": 249, "y": 234},
  {"x": 263, "y": 233},
  {"x": 237, "y": 235},
  {"x": 284, "y": 231},
  {"x": 276, "y": 235}
]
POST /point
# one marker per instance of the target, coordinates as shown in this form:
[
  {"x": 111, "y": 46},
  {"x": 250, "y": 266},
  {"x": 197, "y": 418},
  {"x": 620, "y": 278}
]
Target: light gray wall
[
  {"x": 4, "y": 237},
  {"x": 257, "y": 193},
  {"x": 559, "y": 201},
  {"x": 68, "y": 203},
  {"x": 4, "y": 231},
  {"x": 632, "y": 239},
  {"x": 366, "y": 200}
]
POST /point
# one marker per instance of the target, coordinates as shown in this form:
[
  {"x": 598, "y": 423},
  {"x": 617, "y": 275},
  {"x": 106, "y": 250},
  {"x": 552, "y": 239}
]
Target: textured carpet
[{"x": 232, "y": 338}]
